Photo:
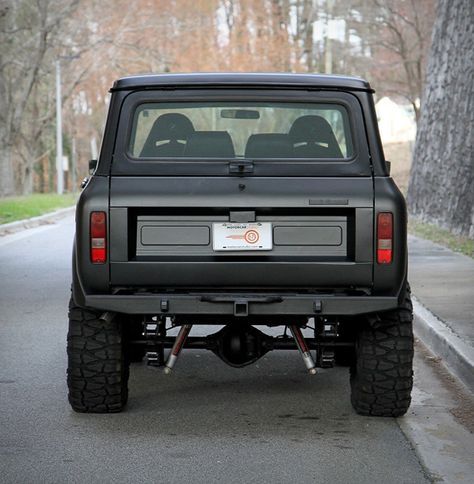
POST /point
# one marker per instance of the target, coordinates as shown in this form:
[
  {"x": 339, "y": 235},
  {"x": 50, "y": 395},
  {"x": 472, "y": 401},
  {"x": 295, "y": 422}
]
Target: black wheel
[
  {"x": 382, "y": 375},
  {"x": 97, "y": 374}
]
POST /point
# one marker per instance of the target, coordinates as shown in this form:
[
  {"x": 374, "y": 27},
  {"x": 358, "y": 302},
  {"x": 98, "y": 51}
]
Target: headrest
[
  {"x": 312, "y": 128},
  {"x": 210, "y": 144},
  {"x": 268, "y": 145},
  {"x": 171, "y": 126}
]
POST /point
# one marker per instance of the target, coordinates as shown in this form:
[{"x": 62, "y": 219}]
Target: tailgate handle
[{"x": 240, "y": 167}]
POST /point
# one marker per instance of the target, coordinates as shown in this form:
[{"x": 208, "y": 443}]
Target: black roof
[{"x": 269, "y": 80}]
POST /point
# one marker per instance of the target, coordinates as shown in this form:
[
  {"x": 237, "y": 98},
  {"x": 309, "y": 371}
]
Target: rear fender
[
  {"x": 89, "y": 277},
  {"x": 390, "y": 278}
]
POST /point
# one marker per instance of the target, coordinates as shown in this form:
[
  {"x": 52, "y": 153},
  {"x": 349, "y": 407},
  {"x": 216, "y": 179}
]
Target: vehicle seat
[
  {"x": 172, "y": 128},
  {"x": 313, "y": 137},
  {"x": 268, "y": 145},
  {"x": 210, "y": 144}
]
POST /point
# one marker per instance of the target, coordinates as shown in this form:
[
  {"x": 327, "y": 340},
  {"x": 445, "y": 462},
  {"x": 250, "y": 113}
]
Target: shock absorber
[
  {"x": 303, "y": 347},
  {"x": 177, "y": 347}
]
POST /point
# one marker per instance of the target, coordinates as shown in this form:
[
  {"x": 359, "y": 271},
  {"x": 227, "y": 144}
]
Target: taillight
[
  {"x": 98, "y": 236},
  {"x": 384, "y": 237}
]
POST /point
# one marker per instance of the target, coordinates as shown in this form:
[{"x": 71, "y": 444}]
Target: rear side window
[{"x": 240, "y": 130}]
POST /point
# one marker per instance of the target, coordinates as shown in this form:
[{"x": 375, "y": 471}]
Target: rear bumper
[{"x": 238, "y": 305}]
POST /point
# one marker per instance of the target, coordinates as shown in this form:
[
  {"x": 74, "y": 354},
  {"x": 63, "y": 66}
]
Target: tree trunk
[
  {"x": 7, "y": 182},
  {"x": 441, "y": 189},
  {"x": 27, "y": 180}
]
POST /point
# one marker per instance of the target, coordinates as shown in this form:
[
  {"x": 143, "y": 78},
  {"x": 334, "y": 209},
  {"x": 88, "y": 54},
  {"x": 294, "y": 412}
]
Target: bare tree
[
  {"x": 26, "y": 33},
  {"x": 441, "y": 188},
  {"x": 398, "y": 34},
  {"x": 304, "y": 12},
  {"x": 118, "y": 37}
]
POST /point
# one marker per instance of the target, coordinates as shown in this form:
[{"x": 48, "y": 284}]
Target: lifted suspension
[{"x": 240, "y": 344}]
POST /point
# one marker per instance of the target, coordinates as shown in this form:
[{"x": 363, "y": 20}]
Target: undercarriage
[{"x": 239, "y": 343}]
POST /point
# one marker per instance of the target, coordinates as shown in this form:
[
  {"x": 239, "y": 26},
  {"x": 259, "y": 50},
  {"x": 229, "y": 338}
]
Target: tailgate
[{"x": 163, "y": 230}]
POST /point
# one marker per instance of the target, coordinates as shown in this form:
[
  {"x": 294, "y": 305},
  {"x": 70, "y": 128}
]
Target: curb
[
  {"x": 29, "y": 223},
  {"x": 445, "y": 343}
]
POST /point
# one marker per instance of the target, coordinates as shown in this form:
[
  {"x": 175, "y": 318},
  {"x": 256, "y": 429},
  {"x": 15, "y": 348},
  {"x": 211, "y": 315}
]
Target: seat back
[
  {"x": 268, "y": 145},
  {"x": 210, "y": 144},
  {"x": 172, "y": 129},
  {"x": 312, "y": 137}
]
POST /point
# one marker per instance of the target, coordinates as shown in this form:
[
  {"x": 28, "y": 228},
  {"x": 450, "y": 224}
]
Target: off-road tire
[
  {"x": 382, "y": 375},
  {"x": 97, "y": 374}
]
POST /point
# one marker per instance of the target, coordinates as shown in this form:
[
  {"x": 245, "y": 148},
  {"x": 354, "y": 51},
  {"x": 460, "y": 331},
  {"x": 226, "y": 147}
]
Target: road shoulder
[
  {"x": 442, "y": 283},
  {"x": 29, "y": 223},
  {"x": 440, "y": 421}
]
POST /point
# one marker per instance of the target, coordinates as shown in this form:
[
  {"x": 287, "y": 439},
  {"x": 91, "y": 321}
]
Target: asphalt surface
[{"x": 206, "y": 422}]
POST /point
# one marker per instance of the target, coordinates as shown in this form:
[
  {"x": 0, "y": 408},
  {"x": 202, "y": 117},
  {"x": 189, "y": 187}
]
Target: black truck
[{"x": 241, "y": 201}]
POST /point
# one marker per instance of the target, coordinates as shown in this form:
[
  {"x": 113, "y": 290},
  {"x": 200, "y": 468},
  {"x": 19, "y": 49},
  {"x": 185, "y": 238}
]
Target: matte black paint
[
  {"x": 354, "y": 190},
  {"x": 125, "y": 164},
  {"x": 265, "y": 80}
]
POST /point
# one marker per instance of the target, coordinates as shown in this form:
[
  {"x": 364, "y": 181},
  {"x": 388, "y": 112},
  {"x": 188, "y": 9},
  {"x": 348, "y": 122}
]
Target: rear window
[{"x": 241, "y": 130}]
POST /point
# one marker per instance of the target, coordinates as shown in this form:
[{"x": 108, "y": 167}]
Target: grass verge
[
  {"x": 19, "y": 208},
  {"x": 457, "y": 243}
]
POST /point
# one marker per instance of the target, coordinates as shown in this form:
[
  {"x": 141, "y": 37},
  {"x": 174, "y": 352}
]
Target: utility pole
[
  {"x": 59, "y": 132},
  {"x": 73, "y": 166},
  {"x": 328, "y": 49}
]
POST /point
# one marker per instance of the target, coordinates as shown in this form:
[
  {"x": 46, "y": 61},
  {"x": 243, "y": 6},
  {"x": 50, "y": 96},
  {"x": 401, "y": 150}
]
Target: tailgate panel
[
  {"x": 161, "y": 232},
  {"x": 151, "y": 234},
  {"x": 316, "y": 235},
  {"x": 255, "y": 274},
  {"x": 305, "y": 235}
]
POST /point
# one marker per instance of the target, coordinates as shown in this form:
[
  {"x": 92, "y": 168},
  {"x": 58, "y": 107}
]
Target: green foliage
[
  {"x": 457, "y": 243},
  {"x": 19, "y": 208}
]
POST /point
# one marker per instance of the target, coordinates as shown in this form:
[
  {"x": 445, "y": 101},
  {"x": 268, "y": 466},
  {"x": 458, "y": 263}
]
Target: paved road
[{"x": 270, "y": 422}]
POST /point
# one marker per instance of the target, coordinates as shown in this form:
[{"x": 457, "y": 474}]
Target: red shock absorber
[
  {"x": 303, "y": 347},
  {"x": 177, "y": 347}
]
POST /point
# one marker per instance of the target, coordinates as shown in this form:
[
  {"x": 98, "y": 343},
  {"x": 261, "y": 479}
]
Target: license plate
[{"x": 242, "y": 236}]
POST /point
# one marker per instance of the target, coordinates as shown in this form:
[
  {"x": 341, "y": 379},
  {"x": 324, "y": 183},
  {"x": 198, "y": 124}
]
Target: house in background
[{"x": 396, "y": 122}]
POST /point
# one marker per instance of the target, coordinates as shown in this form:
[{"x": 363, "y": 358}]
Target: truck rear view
[{"x": 241, "y": 201}]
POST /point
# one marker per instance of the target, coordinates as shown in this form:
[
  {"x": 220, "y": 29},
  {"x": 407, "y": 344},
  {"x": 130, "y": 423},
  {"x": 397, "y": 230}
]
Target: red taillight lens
[
  {"x": 98, "y": 237},
  {"x": 384, "y": 237}
]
